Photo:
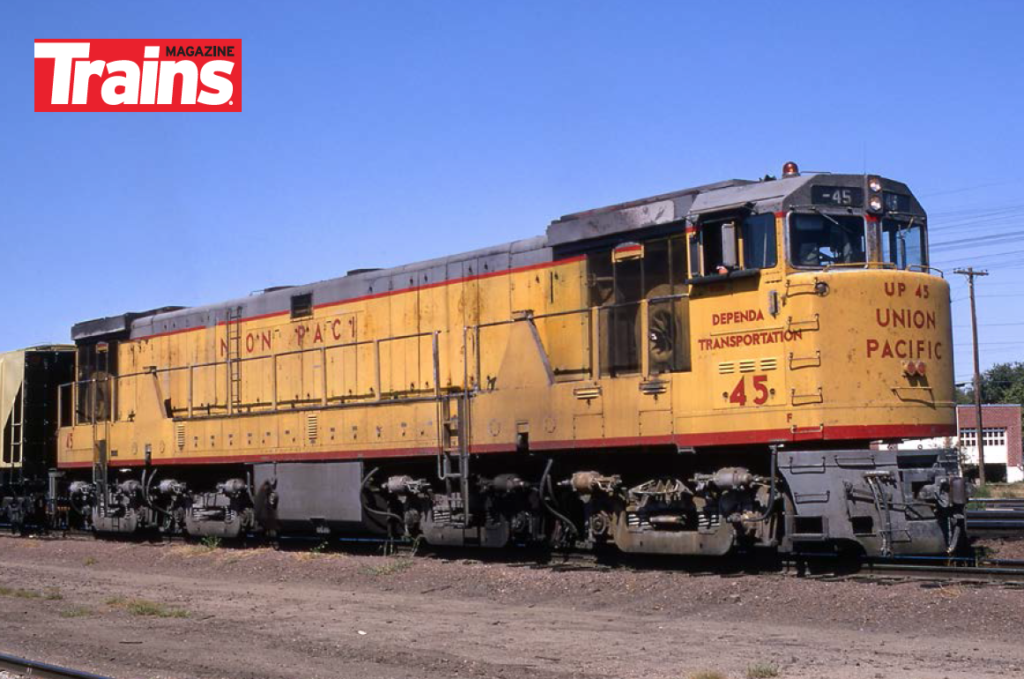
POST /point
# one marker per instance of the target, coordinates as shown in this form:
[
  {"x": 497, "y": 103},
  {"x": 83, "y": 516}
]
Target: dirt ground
[{"x": 137, "y": 611}]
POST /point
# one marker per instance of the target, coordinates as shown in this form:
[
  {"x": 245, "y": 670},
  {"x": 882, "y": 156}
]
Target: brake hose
[
  {"x": 545, "y": 482},
  {"x": 771, "y": 488},
  {"x": 371, "y": 510}
]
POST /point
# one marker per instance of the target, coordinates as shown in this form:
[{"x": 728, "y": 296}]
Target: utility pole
[{"x": 979, "y": 429}]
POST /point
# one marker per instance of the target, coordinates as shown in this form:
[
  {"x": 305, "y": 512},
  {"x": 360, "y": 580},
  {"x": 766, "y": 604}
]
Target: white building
[{"x": 1002, "y": 438}]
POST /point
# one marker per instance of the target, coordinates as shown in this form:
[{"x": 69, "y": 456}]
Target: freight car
[
  {"x": 693, "y": 373},
  {"x": 29, "y": 379}
]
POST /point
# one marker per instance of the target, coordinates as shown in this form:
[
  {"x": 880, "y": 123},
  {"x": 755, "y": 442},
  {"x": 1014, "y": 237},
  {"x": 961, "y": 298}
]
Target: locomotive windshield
[
  {"x": 903, "y": 243},
  {"x": 820, "y": 239}
]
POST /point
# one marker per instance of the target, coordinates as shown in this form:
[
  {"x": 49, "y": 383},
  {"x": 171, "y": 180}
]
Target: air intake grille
[{"x": 312, "y": 427}]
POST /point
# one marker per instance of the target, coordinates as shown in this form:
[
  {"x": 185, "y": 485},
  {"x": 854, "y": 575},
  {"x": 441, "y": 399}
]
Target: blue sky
[{"x": 375, "y": 134}]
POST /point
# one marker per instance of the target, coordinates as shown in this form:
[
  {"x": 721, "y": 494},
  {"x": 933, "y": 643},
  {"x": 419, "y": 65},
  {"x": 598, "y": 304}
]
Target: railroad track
[
  {"x": 972, "y": 570},
  {"x": 23, "y": 667},
  {"x": 966, "y": 570},
  {"x": 1002, "y": 516}
]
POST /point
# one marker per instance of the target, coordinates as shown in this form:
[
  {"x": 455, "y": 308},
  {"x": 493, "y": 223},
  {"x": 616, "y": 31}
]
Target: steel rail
[
  {"x": 987, "y": 516},
  {"x": 962, "y": 570},
  {"x": 964, "y": 573},
  {"x": 969, "y": 569},
  {"x": 995, "y": 516},
  {"x": 41, "y": 670}
]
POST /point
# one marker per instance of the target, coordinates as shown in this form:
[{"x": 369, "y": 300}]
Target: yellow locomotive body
[{"x": 699, "y": 328}]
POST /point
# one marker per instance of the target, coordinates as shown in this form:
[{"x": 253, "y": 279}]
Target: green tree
[{"x": 1002, "y": 383}]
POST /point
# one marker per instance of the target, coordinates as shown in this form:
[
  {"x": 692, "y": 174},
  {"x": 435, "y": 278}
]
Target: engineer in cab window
[{"x": 823, "y": 239}]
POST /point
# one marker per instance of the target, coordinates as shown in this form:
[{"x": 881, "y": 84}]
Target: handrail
[
  {"x": 525, "y": 315},
  {"x": 471, "y": 336},
  {"x": 925, "y": 268},
  {"x": 528, "y": 316},
  {"x": 274, "y": 405},
  {"x": 212, "y": 364},
  {"x": 581, "y": 310}
]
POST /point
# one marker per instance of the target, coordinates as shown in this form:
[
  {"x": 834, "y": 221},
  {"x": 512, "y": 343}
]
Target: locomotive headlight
[
  {"x": 910, "y": 368},
  {"x": 921, "y": 368},
  {"x": 875, "y": 202}
]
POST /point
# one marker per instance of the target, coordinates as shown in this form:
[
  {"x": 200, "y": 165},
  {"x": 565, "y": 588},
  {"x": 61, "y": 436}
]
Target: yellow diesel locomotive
[{"x": 693, "y": 373}]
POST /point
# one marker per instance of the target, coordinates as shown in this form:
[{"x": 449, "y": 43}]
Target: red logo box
[{"x": 138, "y": 75}]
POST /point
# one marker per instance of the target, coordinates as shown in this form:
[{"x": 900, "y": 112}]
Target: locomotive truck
[{"x": 695, "y": 373}]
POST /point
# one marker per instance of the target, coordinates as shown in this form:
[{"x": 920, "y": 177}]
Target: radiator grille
[{"x": 312, "y": 427}]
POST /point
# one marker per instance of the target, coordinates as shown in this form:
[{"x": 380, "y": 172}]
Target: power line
[
  {"x": 1014, "y": 296},
  {"x": 991, "y": 240},
  {"x": 1014, "y": 342},
  {"x": 965, "y": 189},
  {"x": 993, "y": 254},
  {"x": 982, "y": 223},
  {"x": 976, "y": 223}
]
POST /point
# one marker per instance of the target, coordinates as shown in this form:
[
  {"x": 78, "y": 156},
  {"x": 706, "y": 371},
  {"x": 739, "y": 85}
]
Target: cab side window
[
  {"x": 759, "y": 245},
  {"x": 735, "y": 243},
  {"x": 711, "y": 239}
]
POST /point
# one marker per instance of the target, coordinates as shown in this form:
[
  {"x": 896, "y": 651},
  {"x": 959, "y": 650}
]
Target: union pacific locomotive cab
[
  {"x": 692, "y": 373},
  {"x": 803, "y": 307}
]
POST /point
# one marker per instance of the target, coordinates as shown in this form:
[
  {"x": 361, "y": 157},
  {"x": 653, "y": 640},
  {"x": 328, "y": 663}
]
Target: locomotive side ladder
[
  {"x": 234, "y": 358},
  {"x": 16, "y": 444},
  {"x": 100, "y": 439},
  {"x": 453, "y": 450}
]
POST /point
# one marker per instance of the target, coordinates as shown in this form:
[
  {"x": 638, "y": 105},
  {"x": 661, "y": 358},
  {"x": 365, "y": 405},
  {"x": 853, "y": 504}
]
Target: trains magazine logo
[{"x": 138, "y": 75}]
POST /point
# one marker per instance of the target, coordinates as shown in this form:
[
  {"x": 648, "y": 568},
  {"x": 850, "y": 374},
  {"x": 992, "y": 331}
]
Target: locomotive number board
[{"x": 846, "y": 196}]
